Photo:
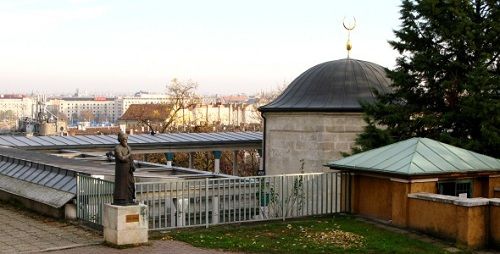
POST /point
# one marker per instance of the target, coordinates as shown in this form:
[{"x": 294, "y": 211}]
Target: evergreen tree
[{"x": 446, "y": 84}]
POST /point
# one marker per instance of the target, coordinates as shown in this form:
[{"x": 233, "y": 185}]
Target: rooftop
[
  {"x": 418, "y": 156},
  {"x": 141, "y": 142},
  {"x": 51, "y": 178},
  {"x": 332, "y": 86},
  {"x": 152, "y": 112}
]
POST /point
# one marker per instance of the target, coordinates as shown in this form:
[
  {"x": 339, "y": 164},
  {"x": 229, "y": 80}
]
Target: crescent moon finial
[{"x": 349, "y": 27}]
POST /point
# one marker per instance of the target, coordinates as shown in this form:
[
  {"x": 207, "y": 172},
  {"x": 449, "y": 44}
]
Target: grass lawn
[{"x": 339, "y": 234}]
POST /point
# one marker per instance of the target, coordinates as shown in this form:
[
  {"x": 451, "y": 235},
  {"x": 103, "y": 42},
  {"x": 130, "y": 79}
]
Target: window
[{"x": 453, "y": 188}]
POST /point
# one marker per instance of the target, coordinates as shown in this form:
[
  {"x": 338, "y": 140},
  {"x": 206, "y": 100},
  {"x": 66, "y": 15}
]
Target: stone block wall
[{"x": 315, "y": 138}]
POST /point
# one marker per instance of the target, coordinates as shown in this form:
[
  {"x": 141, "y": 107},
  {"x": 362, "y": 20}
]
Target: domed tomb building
[{"x": 318, "y": 116}]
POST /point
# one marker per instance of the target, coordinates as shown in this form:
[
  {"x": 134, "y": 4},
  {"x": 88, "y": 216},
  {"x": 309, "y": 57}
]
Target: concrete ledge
[
  {"x": 467, "y": 202},
  {"x": 33, "y": 205},
  {"x": 38, "y": 193},
  {"x": 433, "y": 197},
  {"x": 470, "y": 202},
  {"x": 495, "y": 201},
  {"x": 425, "y": 180}
]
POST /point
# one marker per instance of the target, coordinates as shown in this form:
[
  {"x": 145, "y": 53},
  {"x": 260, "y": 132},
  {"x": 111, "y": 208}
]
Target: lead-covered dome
[{"x": 335, "y": 86}]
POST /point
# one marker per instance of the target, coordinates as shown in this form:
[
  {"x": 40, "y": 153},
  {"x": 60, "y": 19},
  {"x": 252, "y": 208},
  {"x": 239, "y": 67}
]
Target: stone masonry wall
[{"x": 317, "y": 138}]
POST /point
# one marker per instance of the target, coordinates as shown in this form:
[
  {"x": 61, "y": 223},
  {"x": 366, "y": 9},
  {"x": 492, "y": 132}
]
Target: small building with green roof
[{"x": 382, "y": 179}]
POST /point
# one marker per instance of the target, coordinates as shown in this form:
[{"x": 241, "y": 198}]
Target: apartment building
[
  {"x": 103, "y": 109},
  {"x": 225, "y": 114},
  {"x": 19, "y": 105},
  {"x": 123, "y": 103}
]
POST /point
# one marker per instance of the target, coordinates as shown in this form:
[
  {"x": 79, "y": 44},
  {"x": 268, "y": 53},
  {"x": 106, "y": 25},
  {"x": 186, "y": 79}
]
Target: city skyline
[{"x": 121, "y": 47}]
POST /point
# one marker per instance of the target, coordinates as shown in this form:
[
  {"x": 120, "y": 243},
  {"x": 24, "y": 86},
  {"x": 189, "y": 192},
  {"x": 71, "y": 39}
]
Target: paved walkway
[
  {"x": 22, "y": 232},
  {"x": 26, "y": 232},
  {"x": 155, "y": 246}
]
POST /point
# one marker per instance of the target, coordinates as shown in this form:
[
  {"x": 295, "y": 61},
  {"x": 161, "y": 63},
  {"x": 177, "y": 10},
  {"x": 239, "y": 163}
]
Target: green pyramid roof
[{"x": 418, "y": 156}]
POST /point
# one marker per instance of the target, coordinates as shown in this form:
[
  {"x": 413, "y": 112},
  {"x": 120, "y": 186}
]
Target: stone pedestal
[{"x": 125, "y": 224}]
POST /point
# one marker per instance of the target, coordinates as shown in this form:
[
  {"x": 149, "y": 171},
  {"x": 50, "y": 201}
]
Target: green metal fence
[{"x": 91, "y": 195}]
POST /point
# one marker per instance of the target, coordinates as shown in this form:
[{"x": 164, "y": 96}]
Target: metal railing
[
  {"x": 91, "y": 195},
  {"x": 211, "y": 201}
]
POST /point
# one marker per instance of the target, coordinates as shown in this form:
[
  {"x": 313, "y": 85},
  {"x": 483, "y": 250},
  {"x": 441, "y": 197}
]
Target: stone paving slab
[
  {"x": 155, "y": 246},
  {"x": 24, "y": 232}
]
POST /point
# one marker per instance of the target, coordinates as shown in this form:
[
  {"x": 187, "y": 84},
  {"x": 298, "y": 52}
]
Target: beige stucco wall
[
  {"x": 495, "y": 223},
  {"x": 494, "y": 186},
  {"x": 465, "y": 220},
  {"x": 317, "y": 138},
  {"x": 370, "y": 203}
]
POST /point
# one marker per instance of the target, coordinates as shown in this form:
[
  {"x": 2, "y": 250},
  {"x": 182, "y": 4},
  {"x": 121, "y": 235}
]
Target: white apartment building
[
  {"x": 225, "y": 114},
  {"x": 20, "y": 106},
  {"x": 122, "y": 103},
  {"x": 104, "y": 109}
]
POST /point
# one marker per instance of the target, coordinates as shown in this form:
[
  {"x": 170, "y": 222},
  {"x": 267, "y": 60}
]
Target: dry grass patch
[
  {"x": 338, "y": 234},
  {"x": 345, "y": 240}
]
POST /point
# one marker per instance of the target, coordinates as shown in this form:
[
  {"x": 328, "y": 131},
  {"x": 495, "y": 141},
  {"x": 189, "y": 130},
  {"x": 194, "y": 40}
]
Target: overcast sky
[{"x": 122, "y": 46}]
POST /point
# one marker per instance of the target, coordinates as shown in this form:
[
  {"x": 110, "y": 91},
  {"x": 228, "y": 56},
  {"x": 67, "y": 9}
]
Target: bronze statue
[{"x": 124, "y": 193}]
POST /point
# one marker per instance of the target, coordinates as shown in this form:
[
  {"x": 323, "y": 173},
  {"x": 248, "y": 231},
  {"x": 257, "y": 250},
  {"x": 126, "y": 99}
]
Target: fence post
[
  {"x": 206, "y": 202},
  {"x": 215, "y": 210},
  {"x": 78, "y": 212},
  {"x": 283, "y": 196},
  {"x": 349, "y": 179}
]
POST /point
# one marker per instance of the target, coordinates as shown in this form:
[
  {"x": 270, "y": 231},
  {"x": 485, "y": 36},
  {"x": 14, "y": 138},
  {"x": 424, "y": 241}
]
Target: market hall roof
[
  {"x": 418, "y": 156},
  {"x": 335, "y": 86},
  {"x": 140, "y": 142}
]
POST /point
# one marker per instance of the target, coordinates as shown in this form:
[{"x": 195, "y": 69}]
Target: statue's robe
[{"x": 124, "y": 193}]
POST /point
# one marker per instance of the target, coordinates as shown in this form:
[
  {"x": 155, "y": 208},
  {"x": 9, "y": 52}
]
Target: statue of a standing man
[{"x": 124, "y": 193}]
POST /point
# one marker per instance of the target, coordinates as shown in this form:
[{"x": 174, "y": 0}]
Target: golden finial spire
[{"x": 349, "y": 27}]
